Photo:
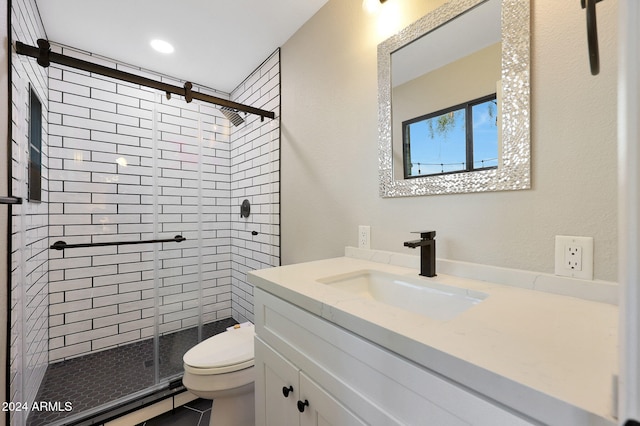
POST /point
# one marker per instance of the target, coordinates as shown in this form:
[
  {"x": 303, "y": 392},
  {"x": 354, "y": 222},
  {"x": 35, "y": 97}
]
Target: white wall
[{"x": 329, "y": 147}]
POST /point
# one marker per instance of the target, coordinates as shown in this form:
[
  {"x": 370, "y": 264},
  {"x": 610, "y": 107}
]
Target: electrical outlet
[
  {"x": 574, "y": 257},
  {"x": 364, "y": 237}
]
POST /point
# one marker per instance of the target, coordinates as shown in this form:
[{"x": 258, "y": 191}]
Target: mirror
[{"x": 460, "y": 65}]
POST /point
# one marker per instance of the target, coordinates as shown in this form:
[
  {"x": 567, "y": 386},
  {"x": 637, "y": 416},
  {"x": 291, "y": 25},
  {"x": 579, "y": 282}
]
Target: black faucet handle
[{"x": 426, "y": 235}]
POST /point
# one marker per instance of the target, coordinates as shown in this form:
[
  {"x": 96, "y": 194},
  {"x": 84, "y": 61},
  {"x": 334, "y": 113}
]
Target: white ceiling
[
  {"x": 476, "y": 29},
  {"x": 218, "y": 43}
]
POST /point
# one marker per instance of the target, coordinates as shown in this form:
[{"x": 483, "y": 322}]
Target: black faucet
[{"x": 427, "y": 245}]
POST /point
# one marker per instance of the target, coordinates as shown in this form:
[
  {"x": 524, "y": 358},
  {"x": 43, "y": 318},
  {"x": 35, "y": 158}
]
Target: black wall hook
[{"x": 592, "y": 34}]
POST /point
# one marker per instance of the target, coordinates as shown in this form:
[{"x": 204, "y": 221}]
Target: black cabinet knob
[
  {"x": 302, "y": 405},
  {"x": 286, "y": 391}
]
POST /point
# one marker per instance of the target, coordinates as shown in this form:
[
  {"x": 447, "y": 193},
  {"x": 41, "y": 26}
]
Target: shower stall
[{"x": 136, "y": 249}]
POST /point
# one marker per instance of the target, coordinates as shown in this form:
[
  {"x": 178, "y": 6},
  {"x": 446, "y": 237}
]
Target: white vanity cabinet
[
  {"x": 347, "y": 380},
  {"x": 291, "y": 397}
]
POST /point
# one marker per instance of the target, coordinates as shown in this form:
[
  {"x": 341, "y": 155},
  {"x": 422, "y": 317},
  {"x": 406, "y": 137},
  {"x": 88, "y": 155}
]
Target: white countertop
[{"x": 549, "y": 356}]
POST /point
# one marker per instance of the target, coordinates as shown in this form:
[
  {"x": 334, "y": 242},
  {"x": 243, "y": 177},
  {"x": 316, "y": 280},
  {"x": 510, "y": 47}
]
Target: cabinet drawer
[{"x": 362, "y": 375}]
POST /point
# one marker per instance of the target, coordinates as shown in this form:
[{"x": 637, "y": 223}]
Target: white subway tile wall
[
  {"x": 29, "y": 240},
  {"x": 109, "y": 183},
  {"x": 255, "y": 176}
]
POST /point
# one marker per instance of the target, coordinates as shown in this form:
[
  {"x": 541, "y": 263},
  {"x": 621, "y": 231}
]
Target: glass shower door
[
  {"x": 192, "y": 200},
  {"x": 177, "y": 212}
]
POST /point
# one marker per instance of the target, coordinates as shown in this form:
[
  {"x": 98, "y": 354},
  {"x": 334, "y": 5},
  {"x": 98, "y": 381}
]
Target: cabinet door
[
  {"x": 322, "y": 408},
  {"x": 275, "y": 378}
]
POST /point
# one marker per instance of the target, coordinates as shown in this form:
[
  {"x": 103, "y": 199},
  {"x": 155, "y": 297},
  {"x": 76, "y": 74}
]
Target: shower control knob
[
  {"x": 286, "y": 391},
  {"x": 302, "y": 405},
  {"x": 245, "y": 208}
]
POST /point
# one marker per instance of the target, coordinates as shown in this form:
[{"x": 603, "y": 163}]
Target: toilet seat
[{"x": 223, "y": 353}]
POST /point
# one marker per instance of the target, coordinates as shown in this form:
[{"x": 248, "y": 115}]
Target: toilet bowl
[{"x": 221, "y": 368}]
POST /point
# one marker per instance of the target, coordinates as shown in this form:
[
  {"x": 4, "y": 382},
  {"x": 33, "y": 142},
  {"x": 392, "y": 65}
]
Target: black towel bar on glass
[
  {"x": 10, "y": 200},
  {"x": 61, "y": 245}
]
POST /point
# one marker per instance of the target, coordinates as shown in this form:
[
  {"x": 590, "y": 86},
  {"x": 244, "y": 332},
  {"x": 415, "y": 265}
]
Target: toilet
[{"x": 221, "y": 368}]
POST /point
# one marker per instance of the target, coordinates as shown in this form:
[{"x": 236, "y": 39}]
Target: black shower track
[{"x": 45, "y": 57}]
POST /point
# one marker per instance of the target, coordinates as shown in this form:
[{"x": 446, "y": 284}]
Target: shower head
[{"x": 232, "y": 115}]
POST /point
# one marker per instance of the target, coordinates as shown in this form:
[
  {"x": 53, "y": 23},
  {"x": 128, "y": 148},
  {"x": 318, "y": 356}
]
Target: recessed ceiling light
[{"x": 161, "y": 46}]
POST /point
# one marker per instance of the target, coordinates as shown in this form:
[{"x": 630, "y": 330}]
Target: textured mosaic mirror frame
[{"x": 514, "y": 172}]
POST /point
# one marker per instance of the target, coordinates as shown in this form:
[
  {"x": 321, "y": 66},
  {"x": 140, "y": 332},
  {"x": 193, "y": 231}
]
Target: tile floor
[
  {"x": 195, "y": 413},
  {"x": 93, "y": 380}
]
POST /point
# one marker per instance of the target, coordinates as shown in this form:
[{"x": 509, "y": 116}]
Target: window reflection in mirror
[
  {"x": 448, "y": 66},
  {"x": 461, "y": 138},
  {"x": 469, "y": 77}
]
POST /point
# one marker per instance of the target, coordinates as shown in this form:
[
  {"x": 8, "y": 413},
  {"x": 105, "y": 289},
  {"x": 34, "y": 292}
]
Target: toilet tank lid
[{"x": 227, "y": 348}]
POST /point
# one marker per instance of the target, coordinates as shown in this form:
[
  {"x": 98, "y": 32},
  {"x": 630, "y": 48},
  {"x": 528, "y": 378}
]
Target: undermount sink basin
[{"x": 422, "y": 296}]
